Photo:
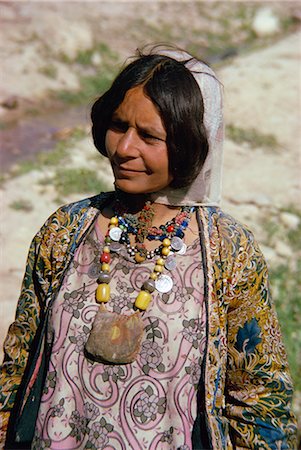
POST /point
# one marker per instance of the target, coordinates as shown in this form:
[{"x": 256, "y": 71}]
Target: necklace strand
[{"x": 170, "y": 236}]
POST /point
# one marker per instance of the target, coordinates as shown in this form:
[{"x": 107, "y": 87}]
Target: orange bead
[{"x": 139, "y": 258}]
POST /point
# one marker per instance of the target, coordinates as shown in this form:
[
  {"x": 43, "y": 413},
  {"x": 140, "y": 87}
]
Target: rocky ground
[{"x": 39, "y": 48}]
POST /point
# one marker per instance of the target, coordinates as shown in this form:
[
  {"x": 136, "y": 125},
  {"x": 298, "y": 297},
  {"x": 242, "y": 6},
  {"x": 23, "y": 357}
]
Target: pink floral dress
[{"x": 149, "y": 404}]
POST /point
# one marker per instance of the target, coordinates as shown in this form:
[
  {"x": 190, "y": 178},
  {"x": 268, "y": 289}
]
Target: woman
[{"x": 146, "y": 311}]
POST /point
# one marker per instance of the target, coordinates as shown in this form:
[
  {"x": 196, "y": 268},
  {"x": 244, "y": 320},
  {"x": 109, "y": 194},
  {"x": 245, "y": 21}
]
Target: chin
[
  {"x": 133, "y": 188},
  {"x": 130, "y": 189}
]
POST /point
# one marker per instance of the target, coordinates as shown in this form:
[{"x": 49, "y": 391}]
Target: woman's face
[{"x": 136, "y": 145}]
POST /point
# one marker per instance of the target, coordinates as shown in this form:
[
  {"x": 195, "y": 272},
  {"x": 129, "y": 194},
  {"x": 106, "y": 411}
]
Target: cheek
[{"x": 110, "y": 143}]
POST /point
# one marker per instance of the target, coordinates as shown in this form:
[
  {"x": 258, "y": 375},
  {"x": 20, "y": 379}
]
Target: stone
[
  {"x": 96, "y": 59},
  {"x": 283, "y": 249},
  {"x": 270, "y": 255},
  {"x": 10, "y": 102},
  {"x": 291, "y": 221},
  {"x": 266, "y": 23}
]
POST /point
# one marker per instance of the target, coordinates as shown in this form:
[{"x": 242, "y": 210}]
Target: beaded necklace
[{"x": 116, "y": 338}]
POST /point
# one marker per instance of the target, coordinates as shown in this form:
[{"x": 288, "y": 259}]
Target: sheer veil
[{"x": 206, "y": 189}]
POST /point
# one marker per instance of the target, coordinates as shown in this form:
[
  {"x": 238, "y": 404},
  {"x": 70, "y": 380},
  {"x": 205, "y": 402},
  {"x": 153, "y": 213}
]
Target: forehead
[{"x": 137, "y": 106}]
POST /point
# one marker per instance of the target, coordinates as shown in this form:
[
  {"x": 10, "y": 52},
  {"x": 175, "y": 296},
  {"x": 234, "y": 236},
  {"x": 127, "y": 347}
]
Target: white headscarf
[{"x": 206, "y": 188}]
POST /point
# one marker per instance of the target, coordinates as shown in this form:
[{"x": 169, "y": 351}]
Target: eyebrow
[{"x": 147, "y": 130}]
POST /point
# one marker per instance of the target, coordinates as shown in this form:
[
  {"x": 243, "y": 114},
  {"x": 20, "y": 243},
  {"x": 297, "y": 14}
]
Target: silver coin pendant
[
  {"x": 164, "y": 284},
  {"x": 170, "y": 262},
  {"x": 115, "y": 247},
  {"x": 176, "y": 243},
  {"x": 115, "y": 233},
  {"x": 182, "y": 250}
]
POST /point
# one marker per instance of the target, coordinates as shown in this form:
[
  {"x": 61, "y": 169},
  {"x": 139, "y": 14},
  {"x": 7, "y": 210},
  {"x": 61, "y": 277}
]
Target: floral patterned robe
[{"x": 244, "y": 396}]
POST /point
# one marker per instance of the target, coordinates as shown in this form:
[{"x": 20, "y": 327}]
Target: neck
[{"x": 132, "y": 202}]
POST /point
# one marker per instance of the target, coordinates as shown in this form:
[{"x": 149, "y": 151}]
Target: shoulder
[
  {"x": 73, "y": 214},
  {"x": 233, "y": 248},
  {"x": 224, "y": 228}
]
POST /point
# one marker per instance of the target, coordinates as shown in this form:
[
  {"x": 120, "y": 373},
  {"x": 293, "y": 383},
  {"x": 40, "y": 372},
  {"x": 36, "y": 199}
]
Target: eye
[
  {"x": 118, "y": 125},
  {"x": 149, "y": 137}
]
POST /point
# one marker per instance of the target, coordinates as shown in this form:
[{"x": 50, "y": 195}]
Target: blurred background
[{"x": 58, "y": 57}]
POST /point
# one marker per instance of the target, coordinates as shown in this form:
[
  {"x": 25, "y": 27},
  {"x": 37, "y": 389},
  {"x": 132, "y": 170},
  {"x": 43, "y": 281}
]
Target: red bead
[
  {"x": 170, "y": 228},
  {"x": 105, "y": 258}
]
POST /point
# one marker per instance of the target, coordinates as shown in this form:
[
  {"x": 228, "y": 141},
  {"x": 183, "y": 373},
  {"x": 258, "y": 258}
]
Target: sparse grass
[
  {"x": 286, "y": 289},
  {"x": 23, "y": 167},
  {"x": 51, "y": 158},
  {"x": 85, "y": 57},
  {"x": 72, "y": 181},
  {"x": 91, "y": 87},
  {"x": 94, "y": 84},
  {"x": 49, "y": 71},
  {"x": 21, "y": 205},
  {"x": 294, "y": 236},
  {"x": 42, "y": 159},
  {"x": 251, "y": 137},
  {"x": 3, "y": 178}
]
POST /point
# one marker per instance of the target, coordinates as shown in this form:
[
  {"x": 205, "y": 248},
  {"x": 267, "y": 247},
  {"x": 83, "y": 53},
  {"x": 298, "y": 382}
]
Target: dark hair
[{"x": 175, "y": 93}]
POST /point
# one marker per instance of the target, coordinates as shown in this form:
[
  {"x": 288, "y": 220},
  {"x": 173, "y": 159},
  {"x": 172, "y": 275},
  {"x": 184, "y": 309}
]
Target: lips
[{"x": 127, "y": 169}]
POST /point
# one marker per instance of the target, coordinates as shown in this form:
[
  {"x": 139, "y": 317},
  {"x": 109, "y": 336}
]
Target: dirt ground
[{"x": 262, "y": 92}]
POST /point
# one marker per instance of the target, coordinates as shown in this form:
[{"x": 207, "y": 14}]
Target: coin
[
  {"x": 115, "y": 247},
  {"x": 182, "y": 250},
  {"x": 115, "y": 233},
  {"x": 164, "y": 284},
  {"x": 170, "y": 262},
  {"x": 176, "y": 243}
]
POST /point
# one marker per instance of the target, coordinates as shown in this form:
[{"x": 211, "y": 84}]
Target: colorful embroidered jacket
[{"x": 244, "y": 396}]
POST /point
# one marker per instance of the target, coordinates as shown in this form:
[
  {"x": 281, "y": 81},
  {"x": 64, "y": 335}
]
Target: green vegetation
[
  {"x": 286, "y": 290},
  {"x": 91, "y": 87},
  {"x": 49, "y": 71},
  {"x": 42, "y": 159},
  {"x": 74, "y": 180},
  {"x": 251, "y": 137},
  {"x": 22, "y": 205},
  {"x": 49, "y": 158},
  {"x": 97, "y": 80}
]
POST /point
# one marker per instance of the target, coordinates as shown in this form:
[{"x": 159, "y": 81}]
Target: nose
[{"x": 127, "y": 146}]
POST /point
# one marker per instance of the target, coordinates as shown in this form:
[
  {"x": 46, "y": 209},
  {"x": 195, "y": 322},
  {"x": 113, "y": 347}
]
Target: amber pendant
[{"x": 115, "y": 338}]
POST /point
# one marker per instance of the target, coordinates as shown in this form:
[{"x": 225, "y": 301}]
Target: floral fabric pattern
[
  {"x": 124, "y": 406},
  {"x": 246, "y": 396}
]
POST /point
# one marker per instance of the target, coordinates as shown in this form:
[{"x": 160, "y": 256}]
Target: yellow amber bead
[
  {"x": 166, "y": 242},
  {"x": 160, "y": 262},
  {"x": 165, "y": 251},
  {"x": 114, "y": 221},
  {"x": 153, "y": 276},
  {"x": 103, "y": 293},
  {"x": 105, "y": 267},
  {"x": 106, "y": 249},
  {"x": 158, "y": 268},
  {"x": 143, "y": 299}
]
